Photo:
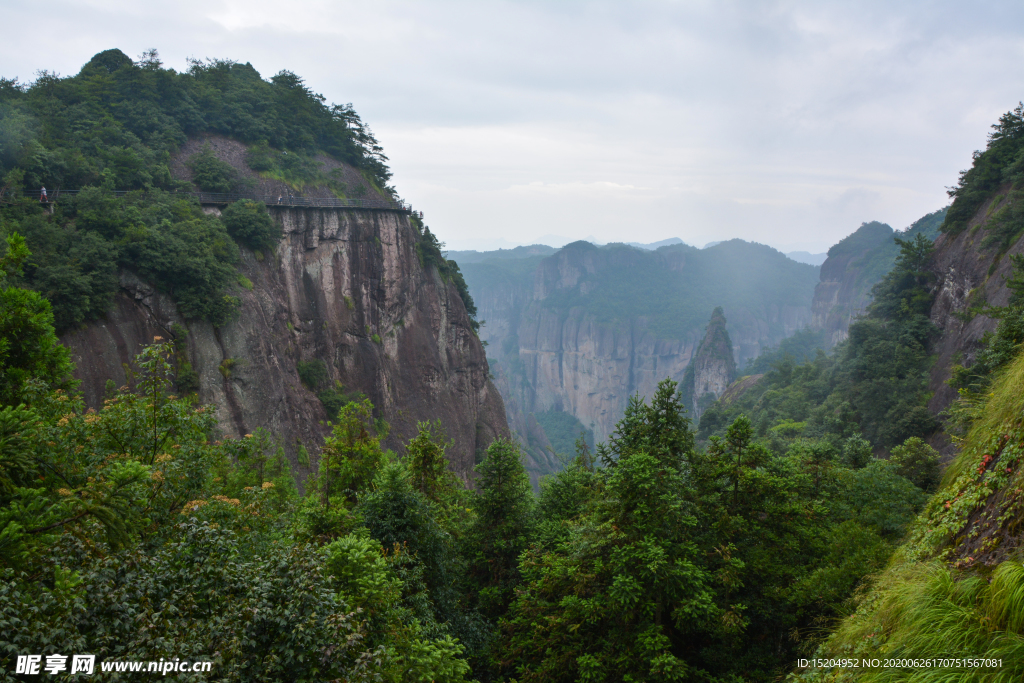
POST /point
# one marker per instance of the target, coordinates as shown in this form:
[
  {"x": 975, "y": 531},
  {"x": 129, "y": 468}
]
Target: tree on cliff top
[
  {"x": 120, "y": 119},
  {"x": 115, "y": 126},
  {"x": 1000, "y": 163}
]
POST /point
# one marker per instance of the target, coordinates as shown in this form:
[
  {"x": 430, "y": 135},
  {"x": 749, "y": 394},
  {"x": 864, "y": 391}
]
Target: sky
[{"x": 785, "y": 123}]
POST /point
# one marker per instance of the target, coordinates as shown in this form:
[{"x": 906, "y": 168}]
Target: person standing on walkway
[{"x": 42, "y": 194}]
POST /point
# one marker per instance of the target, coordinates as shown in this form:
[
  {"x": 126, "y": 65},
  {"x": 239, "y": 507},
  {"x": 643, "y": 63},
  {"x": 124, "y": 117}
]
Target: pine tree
[{"x": 503, "y": 527}]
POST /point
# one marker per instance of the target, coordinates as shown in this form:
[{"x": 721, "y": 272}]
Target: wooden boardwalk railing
[{"x": 223, "y": 199}]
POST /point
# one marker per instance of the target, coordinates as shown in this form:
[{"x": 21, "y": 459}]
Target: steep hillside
[
  {"x": 279, "y": 315},
  {"x": 954, "y": 587},
  {"x": 345, "y": 292},
  {"x": 973, "y": 269},
  {"x": 853, "y": 266}
]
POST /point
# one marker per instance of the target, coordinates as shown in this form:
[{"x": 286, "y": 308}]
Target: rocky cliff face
[
  {"x": 854, "y": 265},
  {"x": 345, "y": 287},
  {"x": 846, "y": 280},
  {"x": 968, "y": 274},
  {"x": 574, "y": 364},
  {"x": 712, "y": 370}
]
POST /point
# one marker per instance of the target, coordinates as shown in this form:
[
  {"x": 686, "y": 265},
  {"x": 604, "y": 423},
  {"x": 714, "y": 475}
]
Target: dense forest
[
  {"x": 114, "y": 126},
  {"x": 669, "y": 552},
  {"x": 130, "y": 532}
]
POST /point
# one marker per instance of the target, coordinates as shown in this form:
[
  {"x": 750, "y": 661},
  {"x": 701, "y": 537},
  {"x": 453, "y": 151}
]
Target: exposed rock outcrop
[
  {"x": 847, "y": 277},
  {"x": 712, "y": 369},
  {"x": 967, "y": 275},
  {"x": 345, "y": 287},
  {"x": 854, "y": 265},
  {"x": 739, "y": 387}
]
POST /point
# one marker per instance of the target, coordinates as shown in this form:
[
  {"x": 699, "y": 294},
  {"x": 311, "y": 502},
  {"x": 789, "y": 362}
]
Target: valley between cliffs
[{"x": 582, "y": 330}]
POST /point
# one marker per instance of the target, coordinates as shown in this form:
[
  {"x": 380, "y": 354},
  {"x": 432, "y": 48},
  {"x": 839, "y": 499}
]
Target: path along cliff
[{"x": 345, "y": 287}]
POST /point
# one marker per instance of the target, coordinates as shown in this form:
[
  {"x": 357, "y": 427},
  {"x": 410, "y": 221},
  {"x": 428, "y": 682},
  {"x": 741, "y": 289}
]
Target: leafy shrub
[
  {"x": 227, "y": 366},
  {"x": 260, "y": 157},
  {"x": 250, "y": 224},
  {"x": 918, "y": 462},
  {"x": 29, "y": 349},
  {"x": 336, "y": 398},
  {"x": 428, "y": 249},
  {"x": 313, "y": 373},
  {"x": 210, "y": 173},
  {"x": 857, "y": 452},
  {"x": 299, "y": 169},
  {"x": 186, "y": 378}
]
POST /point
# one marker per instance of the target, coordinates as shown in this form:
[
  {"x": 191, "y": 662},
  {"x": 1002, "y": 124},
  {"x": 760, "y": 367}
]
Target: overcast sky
[{"x": 787, "y": 123}]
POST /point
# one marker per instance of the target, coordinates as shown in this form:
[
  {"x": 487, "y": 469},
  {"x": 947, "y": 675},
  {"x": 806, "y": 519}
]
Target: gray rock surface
[
  {"x": 846, "y": 280},
  {"x": 339, "y": 281},
  {"x": 712, "y": 369},
  {"x": 966, "y": 275}
]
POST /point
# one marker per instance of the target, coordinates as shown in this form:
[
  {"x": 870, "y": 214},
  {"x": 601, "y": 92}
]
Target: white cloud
[{"x": 786, "y": 122}]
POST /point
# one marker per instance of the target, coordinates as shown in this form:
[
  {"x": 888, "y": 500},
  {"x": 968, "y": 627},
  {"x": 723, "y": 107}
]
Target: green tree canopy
[{"x": 29, "y": 349}]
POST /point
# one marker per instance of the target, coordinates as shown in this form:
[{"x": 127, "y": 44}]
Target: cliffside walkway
[{"x": 223, "y": 199}]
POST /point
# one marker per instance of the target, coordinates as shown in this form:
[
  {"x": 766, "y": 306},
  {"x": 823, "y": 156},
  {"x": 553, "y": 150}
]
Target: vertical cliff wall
[
  {"x": 345, "y": 287},
  {"x": 970, "y": 272},
  {"x": 847, "y": 276}
]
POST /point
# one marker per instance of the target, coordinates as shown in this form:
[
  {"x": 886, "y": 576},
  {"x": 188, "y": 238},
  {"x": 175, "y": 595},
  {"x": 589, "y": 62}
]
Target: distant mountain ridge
[
  {"x": 579, "y": 329},
  {"x": 582, "y": 328},
  {"x": 807, "y": 257},
  {"x": 651, "y": 246}
]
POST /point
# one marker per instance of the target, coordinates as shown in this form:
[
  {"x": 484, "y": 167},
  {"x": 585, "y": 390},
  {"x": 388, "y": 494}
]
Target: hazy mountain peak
[{"x": 807, "y": 257}]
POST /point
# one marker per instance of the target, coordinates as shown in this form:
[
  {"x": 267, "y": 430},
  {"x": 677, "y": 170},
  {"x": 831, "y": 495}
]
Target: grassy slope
[{"x": 956, "y": 585}]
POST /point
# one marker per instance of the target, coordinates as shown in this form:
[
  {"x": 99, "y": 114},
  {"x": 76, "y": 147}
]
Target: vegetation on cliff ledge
[
  {"x": 114, "y": 126},
  {"x": 997, "y": 170}
]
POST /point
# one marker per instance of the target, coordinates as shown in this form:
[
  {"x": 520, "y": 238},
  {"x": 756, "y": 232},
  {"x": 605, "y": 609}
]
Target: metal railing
[{"x": 223, "y": 198}]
